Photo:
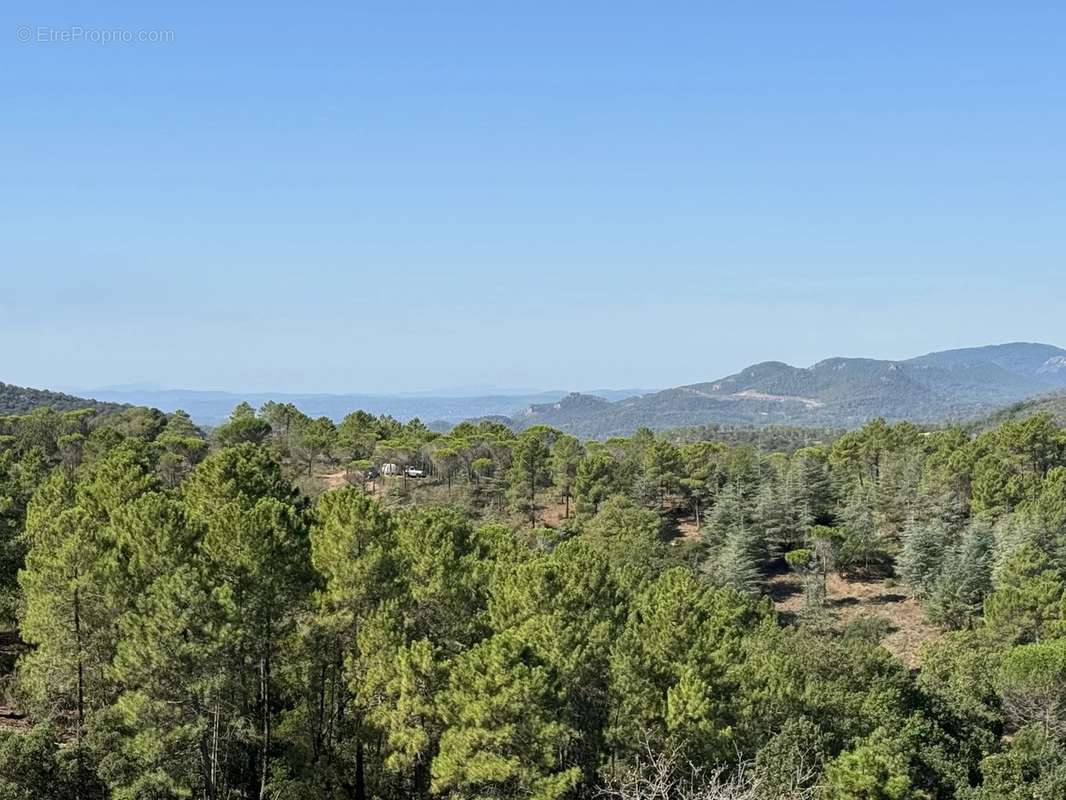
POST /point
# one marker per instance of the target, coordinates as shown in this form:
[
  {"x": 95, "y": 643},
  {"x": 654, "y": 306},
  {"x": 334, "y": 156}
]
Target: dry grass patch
[{"x": 852, "y": 598}]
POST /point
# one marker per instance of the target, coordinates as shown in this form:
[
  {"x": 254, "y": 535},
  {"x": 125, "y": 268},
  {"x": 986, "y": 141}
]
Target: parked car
[
  {"x": 414, "y": 472},
  {"x": 390, "y": 469}
]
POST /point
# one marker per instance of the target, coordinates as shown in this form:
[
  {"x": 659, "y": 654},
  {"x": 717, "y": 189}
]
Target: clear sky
[{"x": 394, "y": 196}]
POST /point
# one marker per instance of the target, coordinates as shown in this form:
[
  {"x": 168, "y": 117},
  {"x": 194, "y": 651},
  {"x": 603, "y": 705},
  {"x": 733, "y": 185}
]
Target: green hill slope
[
  {"x": 22, "y": 400},
  {"x": 1053, "y": 404}
]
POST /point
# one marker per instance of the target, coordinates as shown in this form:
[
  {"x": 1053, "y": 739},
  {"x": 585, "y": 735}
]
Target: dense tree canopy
[{"x": 277, "y": 608}]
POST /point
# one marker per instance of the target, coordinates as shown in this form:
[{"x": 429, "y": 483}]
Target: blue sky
[{"x": 396, "y": 196}]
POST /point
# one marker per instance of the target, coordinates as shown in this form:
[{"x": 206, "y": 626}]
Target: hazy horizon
[
  {"x": 460, "y": 391},
  {"x": 443, "y": 391}
]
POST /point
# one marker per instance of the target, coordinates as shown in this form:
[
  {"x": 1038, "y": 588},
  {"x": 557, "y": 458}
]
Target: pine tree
[
  {"x": 729, "y": 514},
  {"x": 596, "y": 480},
  {"x": 669, "y": 667},
  {"x": 66, "y": 616},
  {"x": 1029, "y": 601},
  {"x": 74, "y": 583},
  {"x": 629, "y": 537},
  {"x": 863, "y": 547},
  {"x": 566, "y": 456},
  {"x": 771, "y": 515},
  {"x": 255, "y": 551},
  {"x": 781, "y": 519},
  {"x": 701, "y": 476},
  {"x": 242, "y": 427},
  {"x": 813, "y": 487},
  {"x": 408, "y": 643},
  {"x": 353, "y": 543},
  {"x": 18, "y": 480},
  {"x": 814, "y": 563},
  {"x": 73, "y": 594},
  {"x": 1013, "y": 532},
  {"x": 966, "y": 580},
  {"x": 661, "y": 467},
  {"x": 922, "y": 559},
  {"x": 171, "y": 732},
  {"x": 737, "y": 562},
  {"x": 504, "y": 726},
  {"x": 566, "y": 605},
  {"x": 876, "y": 768},
  {"x": 738, "y": 550},
  {"x": 1033, "y": 684},
  {"x": 530, "y": 468}
]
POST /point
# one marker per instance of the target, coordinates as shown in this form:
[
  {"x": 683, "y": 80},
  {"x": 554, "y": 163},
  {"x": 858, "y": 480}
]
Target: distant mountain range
[
  {"x": 837, "y": 393},
  {"x": 211, "y": 408},
  {"x": 954, "y": 385}
]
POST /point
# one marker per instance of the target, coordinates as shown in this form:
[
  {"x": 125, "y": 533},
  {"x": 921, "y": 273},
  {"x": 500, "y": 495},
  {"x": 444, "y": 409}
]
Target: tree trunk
[
  {"x": 214, "y": 743},
  {"x": 320, "y": 727},
  {"x": 81, "y": 691},
  {"x": 207, "y": 767},
  {"x": 264, "y": 679},
  {"x": 421, "y": 779},
  {"x": 532, "y": 497},
  {"x": 360, "y": 771}
]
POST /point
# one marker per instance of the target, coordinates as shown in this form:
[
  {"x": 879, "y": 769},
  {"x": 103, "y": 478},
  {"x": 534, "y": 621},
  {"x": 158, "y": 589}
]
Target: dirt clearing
[{"x": 849, "y": 599}]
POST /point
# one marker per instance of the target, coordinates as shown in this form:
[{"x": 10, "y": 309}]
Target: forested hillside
[
  {"x": 1053, "y": 404},
  {"x": 282, "y": 611},
  {"x": 20, "y": 400},
  {"x": 838, "y": 393}
]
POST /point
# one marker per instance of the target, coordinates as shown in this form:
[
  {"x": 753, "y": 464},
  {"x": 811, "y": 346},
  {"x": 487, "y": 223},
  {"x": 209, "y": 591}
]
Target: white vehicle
[
  {"x": 414, "y": 472},
  {"x": 390, "y": 469}
]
